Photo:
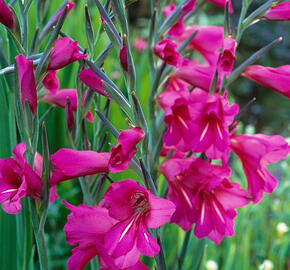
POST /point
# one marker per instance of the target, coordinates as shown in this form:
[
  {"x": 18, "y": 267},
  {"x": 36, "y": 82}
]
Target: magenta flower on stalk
[
  {"x": 203, "y": 195},
  {"x": 227, "y": 57},
  {"x": 135, "y": 209},
  {"x": 178, "y": 107},
  {"x": 277, "y": 79},
  {"x": 256, "y": 151},
  {"x": 90, "y": 79},
  {"x": 70, "y": 164},
  {"x": 6, "y": 16},
  {"x": 166, "y": 50},
  {"x": 213, "y": 120},
  {"x": 64, "y": 52},
  {"x": 18, "y": 180},
  {"x": 208, "y": 41},
  {"x": 123, "y": 152},
  {"x": 196, "y": 75},
  {"x": 86, "y": 227},
  {"x": 279, "y": 12},
  {"x": 26, "y": 81}
]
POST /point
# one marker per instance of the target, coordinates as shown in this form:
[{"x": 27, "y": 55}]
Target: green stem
[
  {"x": 39, "y": 236},
  {"x": 182, "y": 254}
]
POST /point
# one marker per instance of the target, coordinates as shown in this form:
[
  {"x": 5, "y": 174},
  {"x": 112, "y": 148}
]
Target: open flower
[
  {"x": 135, "y": 209},
  {"x": 64, "y": 52},
  {"x": 256, "y": 151},
  {"x": 213, "y": 119},
  {"x": 18, "y": 180},
  {"x": 277, "y": 79},
  {"x": 203, "y": 195}
]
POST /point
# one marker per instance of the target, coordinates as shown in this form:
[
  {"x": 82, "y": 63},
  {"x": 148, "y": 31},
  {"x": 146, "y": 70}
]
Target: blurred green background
[{"x": 257, "y": 238}]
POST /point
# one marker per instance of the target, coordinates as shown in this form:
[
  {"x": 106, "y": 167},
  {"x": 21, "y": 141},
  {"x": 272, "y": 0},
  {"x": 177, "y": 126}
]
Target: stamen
[
  {"x": 126, "y": 229},
  {"x": 219, "y": 130},
  {"x": 182, "y": 121},
  {"x": 202, "y": 213},
  {"x": 9, "y": 190},
  {"x": 146, "y": 237},
  {"x": 261, "y": 174},
  {"x": 186, "y": 197},
  {"x": 218, "y": 212},
  {"x": 204, "y": 132}
]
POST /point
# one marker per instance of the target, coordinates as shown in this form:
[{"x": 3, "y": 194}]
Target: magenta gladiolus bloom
[
  {"x": 177, "y": 29},
  {"x": 277, "y": 79},
  {"x": 59, "y": 98},
  {"x": 196, "y": 75},
  {"x": 64, "y": 52},
  {"x": 208, "y": 41},
  {"x": 203, "y": 195},
  {"x": 222, "y": 3},
  {"x": 26, "y": 80},
  {"x": 213, "y": 120},
  {"x": 6, "y": 16},
  {"x": 51, "y": 82},
  {"x": 136, "y": 209},
  {"x": 227, "y": 57},
  {"x": 17, "y": 180},
  {"x": 123, "y": 152},
  {"x": 91, "y": 80},
  {"x": 280, "y": 12},
  {"x": 166, "y": 50},
  {"x": 256, "y": 151},
  {"x": 178, "y": 107},
  {"x": 70, "y": 164},
  {"x": 86, "y": 227}
]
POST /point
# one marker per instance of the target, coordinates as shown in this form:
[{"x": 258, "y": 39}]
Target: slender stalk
[{"x": 182, "y": 254}]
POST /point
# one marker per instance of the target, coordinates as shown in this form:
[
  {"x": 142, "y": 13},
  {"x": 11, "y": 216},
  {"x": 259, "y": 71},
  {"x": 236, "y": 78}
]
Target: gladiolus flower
[
  {"x": 6, "y": 16},
  {"x": 213, "y": 119},
  {"x": 256, "y": 151},
  {"x": 280, "y": 12},
  {"x": 222, "y": 3},
  {"x": 86, "y": 227},
  {"x": 136, "y": 209},
  {"x": 51, "y": 82},
  {"x": 69, "y": 115},
  {"x": 27, "y": 85},
  {"x": 277, "y": 79},
  {"x": 70, "y": 164},
  {"x": 178, "y": 107},
  {"x": 203, "y": 195},
  {"x": 227, "y": 57},
  {"x": 208, "y": 41},
  {"x": 123, "y": 152},
  {"x": 196, "y": 75},
  {"x": 166, "y": 50},
  {"x": 64, "y": 52},
  {"x": 17, "y": 180},
  {"x": 91, "y": 80}
]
